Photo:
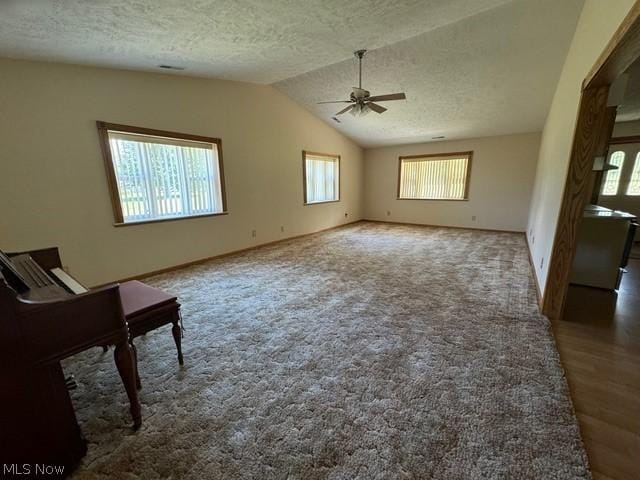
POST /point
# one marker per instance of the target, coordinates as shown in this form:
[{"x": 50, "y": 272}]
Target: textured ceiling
[
  {"x": 490, "y": 74},
  {"x": 469, "y": 67},
  {"x": 250, "y": 40}
]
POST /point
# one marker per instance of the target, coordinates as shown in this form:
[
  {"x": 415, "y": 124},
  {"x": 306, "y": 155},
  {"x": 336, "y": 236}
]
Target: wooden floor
[{"x": 599, "y": 344}]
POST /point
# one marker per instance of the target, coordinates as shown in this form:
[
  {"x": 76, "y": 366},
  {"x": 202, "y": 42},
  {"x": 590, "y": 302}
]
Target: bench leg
[
  {"x": 177, "y": 333},
  {"x": 123, "y": 356},
  {"x": 135, "y": 359}
]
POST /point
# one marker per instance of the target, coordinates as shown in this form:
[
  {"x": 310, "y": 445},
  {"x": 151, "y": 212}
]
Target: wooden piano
[{"x": 39, "y": 326}]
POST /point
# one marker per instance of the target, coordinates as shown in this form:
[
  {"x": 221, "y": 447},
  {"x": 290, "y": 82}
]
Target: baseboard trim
[
  {"x": 535, "y": 275},
  {"x": 443, "y": 226},
  {"x": 226, "y": 254}
]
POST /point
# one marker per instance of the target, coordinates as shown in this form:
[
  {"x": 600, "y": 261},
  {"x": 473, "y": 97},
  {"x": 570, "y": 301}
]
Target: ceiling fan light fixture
[
  {"x": 359, "y": 110},
  {"x": 361, "y": 100}
]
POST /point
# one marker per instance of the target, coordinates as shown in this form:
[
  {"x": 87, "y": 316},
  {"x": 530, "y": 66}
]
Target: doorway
[
  {"x": 597, "y": 320},
  {"x": 594, "y": 129}
]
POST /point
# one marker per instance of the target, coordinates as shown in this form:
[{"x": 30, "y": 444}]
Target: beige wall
[
  {"x": 502, "y": 174},
  {"x": 626, "y": 129},
  {"x": 598, "y": 21},
  {"x": 52, "y": 182}
]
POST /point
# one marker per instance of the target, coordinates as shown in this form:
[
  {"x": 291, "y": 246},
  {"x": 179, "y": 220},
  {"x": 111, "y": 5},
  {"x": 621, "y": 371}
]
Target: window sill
[
  {"x": 320, "y": 203},
  {"x": 436, "y": 199},
  {"x": 171, "y": 219}
]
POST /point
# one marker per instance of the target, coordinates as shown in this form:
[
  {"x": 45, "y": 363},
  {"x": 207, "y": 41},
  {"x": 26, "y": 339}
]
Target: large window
[
  {"x": 321, "y": 174},
  {"x": 612, "y": 177},
  {"x": 155, "y": 175},
  {"x": 435, "y": 177}
]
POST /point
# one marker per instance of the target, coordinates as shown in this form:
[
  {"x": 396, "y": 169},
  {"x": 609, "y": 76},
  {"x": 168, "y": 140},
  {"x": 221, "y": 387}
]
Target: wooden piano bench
[{"x": 147, "y": 308}]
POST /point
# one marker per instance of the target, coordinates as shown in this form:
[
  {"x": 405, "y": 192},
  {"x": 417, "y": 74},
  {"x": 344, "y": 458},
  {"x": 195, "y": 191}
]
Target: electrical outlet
[
  {"x": 541, "y": 262},
  {"x": 388, "y": 213},
  {"x": 473, "y": 218},
  {"x": 253, "y": 233},
  {"x": 282, "y": 228}
]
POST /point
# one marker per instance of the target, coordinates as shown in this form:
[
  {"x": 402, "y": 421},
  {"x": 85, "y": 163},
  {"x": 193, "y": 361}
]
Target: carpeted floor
[{"x": 367, "y": 352}]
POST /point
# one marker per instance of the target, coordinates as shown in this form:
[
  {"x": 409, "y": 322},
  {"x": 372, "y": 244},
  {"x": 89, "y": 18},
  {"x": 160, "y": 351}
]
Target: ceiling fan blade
[
  {"x": 376, "y": 108},
  {"x": 345, "y": 110},
  {"x": 337, "y": 101},
  {"x": 386, "y": 98}
]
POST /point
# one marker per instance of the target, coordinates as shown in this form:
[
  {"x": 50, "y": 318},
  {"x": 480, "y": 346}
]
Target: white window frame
[
  {"x": 614, "y": 171},
  {"x": 635, "y": 170}
]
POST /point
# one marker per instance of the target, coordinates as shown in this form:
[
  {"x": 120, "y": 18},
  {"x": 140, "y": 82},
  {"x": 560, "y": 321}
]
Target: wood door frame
[{"x": 591, "y": 138}]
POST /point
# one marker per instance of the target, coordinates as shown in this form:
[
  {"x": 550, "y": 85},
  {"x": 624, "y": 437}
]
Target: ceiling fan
[{"x": 360, "y": 99}]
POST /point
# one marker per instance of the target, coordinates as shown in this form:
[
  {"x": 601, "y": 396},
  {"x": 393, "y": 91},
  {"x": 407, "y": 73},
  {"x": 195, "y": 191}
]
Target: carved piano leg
[
  {"x": 177, "y": 333},
  {"x": 123, "y": 356}
]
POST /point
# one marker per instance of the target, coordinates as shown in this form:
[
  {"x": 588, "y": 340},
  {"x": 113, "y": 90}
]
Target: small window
[
  {"x": 612, "y": 177},
  {"x": 435, "y": 177},
  {"x": 155, "y": 175},
  {"x": 634, "y": 182},
  {"x": 321, "y": 173}
]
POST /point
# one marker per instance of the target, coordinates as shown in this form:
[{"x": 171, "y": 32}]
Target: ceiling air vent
[{"x": 170, "y": 67}]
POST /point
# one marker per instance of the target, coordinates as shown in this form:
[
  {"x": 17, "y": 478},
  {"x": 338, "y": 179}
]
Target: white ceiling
[
  {"x": 491, "y": 74},
  {"x": 469, "y": 67},
  {"x": 259, "y": 41}
]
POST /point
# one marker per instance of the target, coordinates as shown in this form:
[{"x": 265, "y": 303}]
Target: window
[
  {"x": 612, "y": 177},
  {"x": 155, "y": 175},
  {"x": 435, "y": 177},
  {"x": 634, "y": 182},
  {"x": 321, "y": 174}
]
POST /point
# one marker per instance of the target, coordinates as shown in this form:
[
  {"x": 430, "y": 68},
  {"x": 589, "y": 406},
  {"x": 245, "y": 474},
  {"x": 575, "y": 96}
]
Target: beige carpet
[{"x": 368, "y": 352}]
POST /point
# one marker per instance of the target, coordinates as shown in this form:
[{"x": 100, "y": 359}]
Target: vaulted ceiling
[
  {"x": 468, "y": 67},
  {"x": 489, "y": 74}
]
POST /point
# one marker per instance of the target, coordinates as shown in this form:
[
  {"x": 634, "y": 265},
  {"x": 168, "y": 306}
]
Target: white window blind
[
  {"x": 322, "y": 178},
  {"x": 633, "y": 188},
  {"x": 612, "y": 177},
  {"x": 442, "y": 177},
  {"x": 160, "y": 177}
]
